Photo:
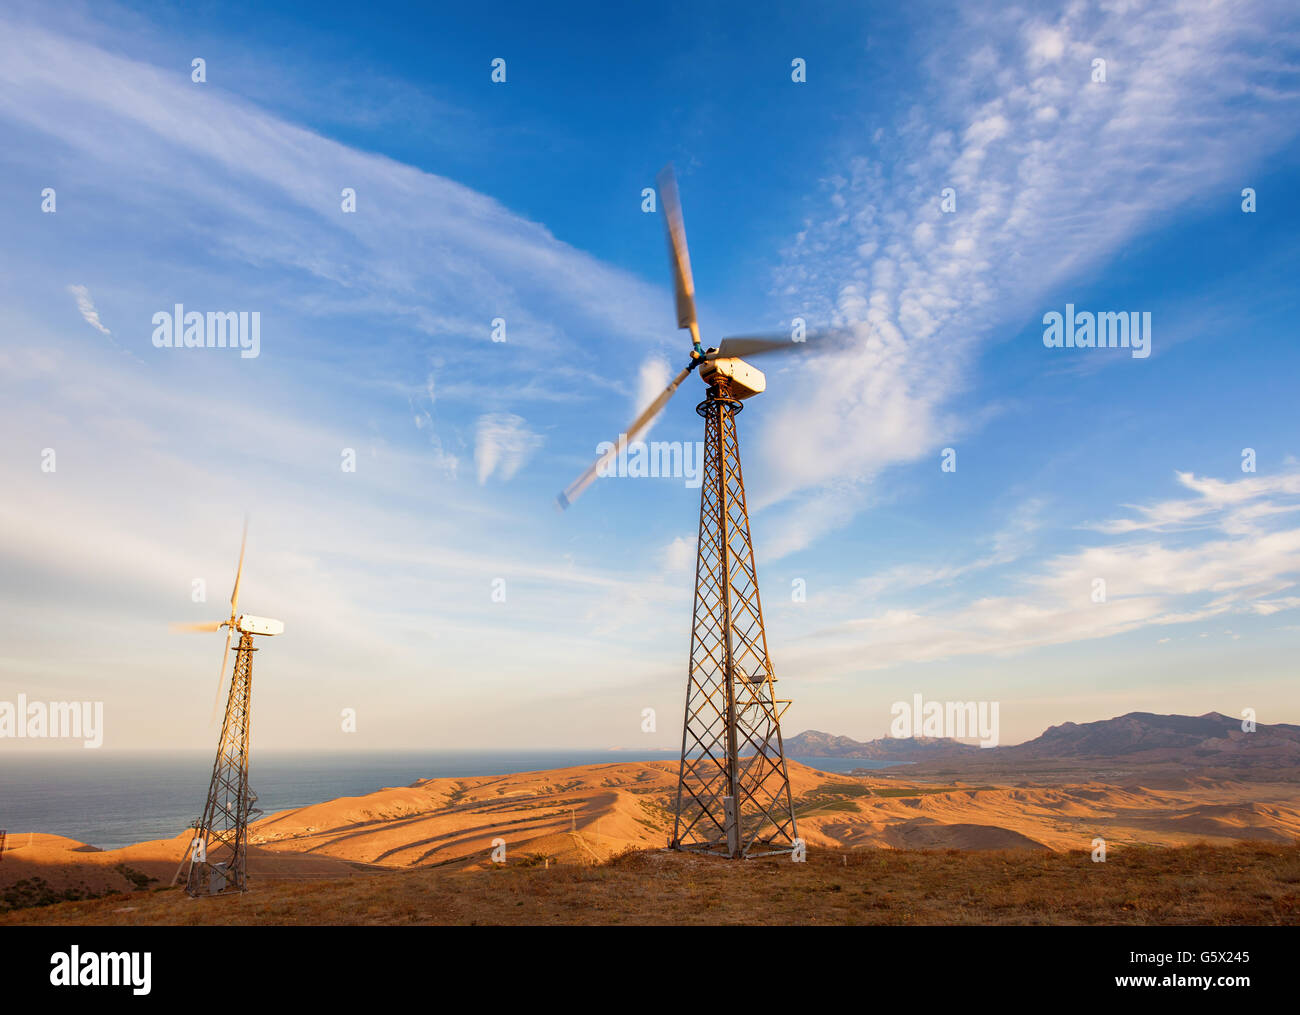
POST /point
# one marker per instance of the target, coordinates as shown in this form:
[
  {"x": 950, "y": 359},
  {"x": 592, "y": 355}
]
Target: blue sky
[{"x": 522, "y": 200}]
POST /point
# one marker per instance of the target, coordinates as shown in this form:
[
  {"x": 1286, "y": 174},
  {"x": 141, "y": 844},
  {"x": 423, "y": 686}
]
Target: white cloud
[
  {"x": 1234, "y": 567},
  {"x": 1052, "y": 173},
  {"x": 87, "y": 308},
  {"x": 1227, "y": 504},
  {"x": 421, "y": 249},
  {"x": 502, "y": 444},
  {"x": 652, "y": 377},
  {"x": 679, "y": 555},
  {"x": 1046, "y": 45}
]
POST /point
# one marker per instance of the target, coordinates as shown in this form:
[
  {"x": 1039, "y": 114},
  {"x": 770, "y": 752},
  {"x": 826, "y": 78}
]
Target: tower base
[{"x": 219, "y": 851}]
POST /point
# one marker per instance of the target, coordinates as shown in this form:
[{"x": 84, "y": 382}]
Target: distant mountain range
[
  {"x": 815, "y": 744},
  {"x": 1211, "y": 739}
]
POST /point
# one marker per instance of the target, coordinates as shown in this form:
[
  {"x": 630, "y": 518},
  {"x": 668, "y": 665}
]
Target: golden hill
[{"x": 575, "y": 817}]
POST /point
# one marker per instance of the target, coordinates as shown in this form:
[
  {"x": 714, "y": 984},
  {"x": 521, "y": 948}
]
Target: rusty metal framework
[
  {"x": 733, "y": 790},
  {"x": 218, "y": 855}
]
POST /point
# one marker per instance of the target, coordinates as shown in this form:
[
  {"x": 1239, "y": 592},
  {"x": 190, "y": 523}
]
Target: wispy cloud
[
  {"x": 425, "y": 254},
  {"x": 1235, "y": 506},
  {"x": 1052, "y": 173},
  {"x": 1239, "y": 562},
  {"x": 86, "y": 306},
  {"x": 503, "y": 443}
]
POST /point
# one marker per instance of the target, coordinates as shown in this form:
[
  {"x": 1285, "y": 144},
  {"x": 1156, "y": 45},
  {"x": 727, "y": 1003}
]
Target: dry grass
[{"x": 1242, "y": 884}]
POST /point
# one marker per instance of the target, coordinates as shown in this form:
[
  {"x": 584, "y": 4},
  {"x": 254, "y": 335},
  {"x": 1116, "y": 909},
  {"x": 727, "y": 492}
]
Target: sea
[{"x": 118, "y": 798}]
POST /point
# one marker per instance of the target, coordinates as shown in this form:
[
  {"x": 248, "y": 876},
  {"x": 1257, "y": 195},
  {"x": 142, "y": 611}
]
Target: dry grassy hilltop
[{"x": 1250, "y": 884}]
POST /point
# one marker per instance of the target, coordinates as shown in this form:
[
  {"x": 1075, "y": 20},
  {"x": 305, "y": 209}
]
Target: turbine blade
[
  {"x": 574, "y": 490},
  {"x": 678, "y": 255},
  {"x": 239, "y": 571},
  {"x": 221, "y": 677},
  {"x": 214, "y": 625},
  {"x": 758, "y": 345}
]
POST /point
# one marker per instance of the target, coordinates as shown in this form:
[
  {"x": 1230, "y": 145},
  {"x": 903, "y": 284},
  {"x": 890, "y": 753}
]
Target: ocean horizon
[{"x": 118, "y": 798}]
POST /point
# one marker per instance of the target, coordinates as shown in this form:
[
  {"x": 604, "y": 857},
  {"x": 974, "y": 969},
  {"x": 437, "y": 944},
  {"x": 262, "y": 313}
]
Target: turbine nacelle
[
  {"x": 248, "y": 624},
  {"x": 733, "y": 377}
]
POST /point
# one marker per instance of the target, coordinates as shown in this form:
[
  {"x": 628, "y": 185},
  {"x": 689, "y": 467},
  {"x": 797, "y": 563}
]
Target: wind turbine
[
  {"x": 733, "y": 790},
  {"x": 218, "y": 853}
]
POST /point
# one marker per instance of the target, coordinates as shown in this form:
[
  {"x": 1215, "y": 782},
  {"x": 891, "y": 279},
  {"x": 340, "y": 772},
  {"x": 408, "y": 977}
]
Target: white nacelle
[
  {"x": 249, "y": 624},
  {"x": 741, "y": 380}
]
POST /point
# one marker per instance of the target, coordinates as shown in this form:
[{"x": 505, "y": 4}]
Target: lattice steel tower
[
  {"x": 733, "y": 792},
  {"x": 218, "y": 852}
]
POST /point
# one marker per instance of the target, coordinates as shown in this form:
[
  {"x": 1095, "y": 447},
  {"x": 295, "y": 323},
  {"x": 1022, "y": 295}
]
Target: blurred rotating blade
[
  {"x": 221, "y": 677},
  {"x": 574, "y": 490},
  {"x": 678, "y": 255},
  {"x": 239, "y": 571},
  {"x": 758, "y": 345},
  {"x": 215, "y": 625}
]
